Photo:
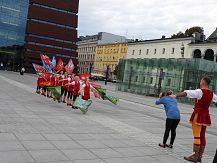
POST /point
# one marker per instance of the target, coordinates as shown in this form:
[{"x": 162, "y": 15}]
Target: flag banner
[
  {"x": 38, "y": 68},
  {"x": 45, "y": 75},
  {"x": 46, "y": 61},
  {"x": 56, "y": 92},
  {"x": 45, "y": 84},
  {"x": 84, "y": 76},
  {"x": 112, "y": 99},
  {"x": 60, "y": 65},
  {"x": 69, "y": 67},
  {"x": 101, "y": 92},
  {"x": 96, "y": 94},
  {"x": 82, "y": 104},
  {"x": 54, "y": 61}
]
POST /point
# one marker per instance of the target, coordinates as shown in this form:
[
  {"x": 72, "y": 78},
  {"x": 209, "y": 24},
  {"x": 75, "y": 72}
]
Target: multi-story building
[
  {"x": 13, "y": 14},
  {"x": 43, "y": 26},
  {"x": 87, "y": 48},
  {"x": 160, "y": 48},
  {"x": 51, "y": 29},
  {"x": 108, "y": 56},
  {"x": 190, "y": 47}
]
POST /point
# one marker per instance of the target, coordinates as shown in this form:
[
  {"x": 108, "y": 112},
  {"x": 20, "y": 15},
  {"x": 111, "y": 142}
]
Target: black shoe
[
  {"x": 162, "y": 145},
  {"x": 169, "y": 146}
]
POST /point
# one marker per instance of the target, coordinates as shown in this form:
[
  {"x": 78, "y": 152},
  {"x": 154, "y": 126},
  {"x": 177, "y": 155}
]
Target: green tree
[
  {"x": 189, "y": 32},
  {"x": 178, "y": 35}
]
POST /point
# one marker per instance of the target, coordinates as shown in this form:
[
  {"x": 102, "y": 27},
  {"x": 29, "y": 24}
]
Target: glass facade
[
  {"x": 13, "y": 18},
  {"x": 151, "y": 76}
]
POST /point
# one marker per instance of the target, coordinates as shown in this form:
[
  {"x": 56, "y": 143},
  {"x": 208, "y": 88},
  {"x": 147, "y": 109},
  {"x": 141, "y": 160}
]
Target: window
[
  {"x": 143, "y": 80},
  {"x": 147, "y": 51},
  {"x": 155, "y": 51},
  {"x": 140, "y": 52},
  {"x": 164, "y": 50},
  {"x": 151, "y": 80},
  {"x": 173, "y": 50},
  {"x": 133, "y": 52}
]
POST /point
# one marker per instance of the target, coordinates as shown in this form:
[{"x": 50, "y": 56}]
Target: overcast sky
[{"x": 146, "y": 19}]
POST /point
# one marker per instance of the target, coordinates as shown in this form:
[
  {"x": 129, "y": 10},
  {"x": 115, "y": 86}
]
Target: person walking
[
  {"x": 173, "y": 117},
  {"x": 200, "y": 118}
]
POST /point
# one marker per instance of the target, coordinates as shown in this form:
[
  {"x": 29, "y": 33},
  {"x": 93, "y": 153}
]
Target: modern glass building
[
  {"x": 151, "y": 76},
  {"x": 13, "y": 17}
]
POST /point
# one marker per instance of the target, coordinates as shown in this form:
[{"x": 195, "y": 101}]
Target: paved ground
[{"x": 36, "y": 129}]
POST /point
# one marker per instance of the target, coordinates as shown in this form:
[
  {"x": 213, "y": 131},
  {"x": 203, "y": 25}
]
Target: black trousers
[
  {"x": 171, "y": 125},
  {"x": 63, "y": 91},
  {"x": 70, "y": 95},
  {"x": 215, "y": 158}
]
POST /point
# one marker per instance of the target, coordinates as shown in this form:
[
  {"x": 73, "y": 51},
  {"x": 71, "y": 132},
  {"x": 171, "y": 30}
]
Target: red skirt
[
  {"x": 203, "y": 117},
  {"x": 75, "y": 93},
  {"x": 86, "y": 97}
]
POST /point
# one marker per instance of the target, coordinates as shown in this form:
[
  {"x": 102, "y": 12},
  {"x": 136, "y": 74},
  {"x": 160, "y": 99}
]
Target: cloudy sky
[{"x": 146, "y": 19}]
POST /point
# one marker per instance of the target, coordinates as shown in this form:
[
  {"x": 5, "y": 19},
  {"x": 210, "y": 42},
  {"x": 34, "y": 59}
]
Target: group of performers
[
  {"x": 71, "y": 87},
  {"x": 200, "y": 118}
]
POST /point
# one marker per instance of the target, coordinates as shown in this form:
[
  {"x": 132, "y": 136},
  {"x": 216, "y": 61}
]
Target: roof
[
  {"x": 160, "y": 40},
  {"x": 213, "y": 35}
]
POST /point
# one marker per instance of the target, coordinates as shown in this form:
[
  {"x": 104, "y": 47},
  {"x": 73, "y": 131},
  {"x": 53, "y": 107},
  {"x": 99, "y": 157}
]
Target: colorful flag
[
  {"x": 45, "y": 75},
  {"x": 82, "y": 104},
  {"x": 60, "y": 65},
  {"x": 46, "y": 61},
  {"x": 56, "y": 92},
  {"x": 112, "y": 99},
  {"x": 101, "y": 92},
  {"x": 38, "y": 68},
  {"x": 97, "y": 95},
  {"x": 69, "y": 67},
  {"x": 45, "y": 84}
]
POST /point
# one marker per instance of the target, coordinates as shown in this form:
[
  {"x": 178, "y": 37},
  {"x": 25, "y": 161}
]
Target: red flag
[
  {"x": 46, "y": 60},
  {"x": 45, "y": 75},
  {"x": 97, "y": 95},
  {"x": 38, "y": 68},
  {"x": 69, "y": 67},
  {"x": 60, "y": 65}
]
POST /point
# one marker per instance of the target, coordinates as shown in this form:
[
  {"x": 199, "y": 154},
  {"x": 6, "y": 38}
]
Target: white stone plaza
[{"x": 35, "y": 129}]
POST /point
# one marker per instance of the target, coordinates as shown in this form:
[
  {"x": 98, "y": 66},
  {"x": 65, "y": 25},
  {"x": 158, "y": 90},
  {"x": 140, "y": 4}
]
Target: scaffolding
[{"x": 151, "y": 76}]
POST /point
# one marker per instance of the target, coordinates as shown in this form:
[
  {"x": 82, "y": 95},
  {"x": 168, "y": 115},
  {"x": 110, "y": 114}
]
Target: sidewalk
[{"x": 36, "y": 129}]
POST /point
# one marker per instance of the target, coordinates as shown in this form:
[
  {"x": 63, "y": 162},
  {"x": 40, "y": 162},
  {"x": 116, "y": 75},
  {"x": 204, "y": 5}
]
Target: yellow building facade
[{"x": 109, "y": 55}]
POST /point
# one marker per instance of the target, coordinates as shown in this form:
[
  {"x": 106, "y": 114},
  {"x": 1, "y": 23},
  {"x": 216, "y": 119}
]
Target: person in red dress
[
  {"x": 38, "y": 89},
  {"x": 64, "y": 81},
  {"x": 70, "y": 89},
  {"x": 86, "y": 89},
  {"x": 77, "y": 85},
  {"x": 200, "y": 118}
]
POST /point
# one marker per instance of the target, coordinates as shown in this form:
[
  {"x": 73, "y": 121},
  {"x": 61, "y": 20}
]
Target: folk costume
[{"x": 200, "y": 119}]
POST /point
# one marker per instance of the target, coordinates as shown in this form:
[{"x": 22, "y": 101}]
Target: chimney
[{"x": 163, "y": 37}]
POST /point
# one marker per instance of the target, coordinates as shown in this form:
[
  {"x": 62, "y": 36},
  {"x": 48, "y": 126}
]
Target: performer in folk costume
[
  {"x": 64, "y": 82},
  {"x": 70, "y": 89},
  {"x": 77, "y": 85},
  {"x": 52, "y": 83},
  {"x": 200, "y": 118},
  {"x": 56, "y": 83},
  {"x": 86, "y": 89},
  {"x": 38, "y": 89},
  {"x": 173, "y": 117}
]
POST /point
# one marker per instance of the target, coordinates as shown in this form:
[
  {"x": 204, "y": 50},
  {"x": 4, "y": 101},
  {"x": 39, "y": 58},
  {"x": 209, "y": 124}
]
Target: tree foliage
[{"x": 188, "y": 32}]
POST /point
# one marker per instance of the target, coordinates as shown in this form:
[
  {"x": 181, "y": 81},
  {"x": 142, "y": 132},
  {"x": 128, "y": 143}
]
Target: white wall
[{"x": 159, "y": 45}]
